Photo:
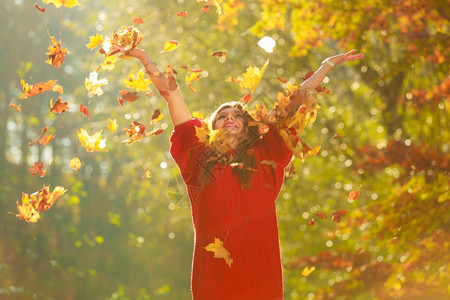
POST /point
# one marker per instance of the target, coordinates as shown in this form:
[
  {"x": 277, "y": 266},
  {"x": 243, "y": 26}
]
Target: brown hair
[{"x": 242, "y": 159}]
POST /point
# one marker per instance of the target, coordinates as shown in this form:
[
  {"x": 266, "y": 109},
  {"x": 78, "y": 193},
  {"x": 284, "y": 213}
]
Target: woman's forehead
[{"x": 229, "y": 110}]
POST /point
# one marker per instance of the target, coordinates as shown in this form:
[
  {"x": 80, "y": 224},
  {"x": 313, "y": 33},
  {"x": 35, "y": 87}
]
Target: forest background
[{"x": 123, "y": 228}]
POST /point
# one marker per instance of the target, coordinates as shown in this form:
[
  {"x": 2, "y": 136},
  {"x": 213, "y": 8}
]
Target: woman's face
[{"x": 231, "y": 119}]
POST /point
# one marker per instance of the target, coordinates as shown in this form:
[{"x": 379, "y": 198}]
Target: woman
[{"x": 233, "y": 181}]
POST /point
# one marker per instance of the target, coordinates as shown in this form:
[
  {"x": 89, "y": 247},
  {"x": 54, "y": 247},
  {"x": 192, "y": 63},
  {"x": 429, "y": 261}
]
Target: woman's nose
[{"x": 229, "y": 117}]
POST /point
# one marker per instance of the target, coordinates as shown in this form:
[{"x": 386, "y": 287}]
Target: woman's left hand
[{"x": 349, "y": 56}]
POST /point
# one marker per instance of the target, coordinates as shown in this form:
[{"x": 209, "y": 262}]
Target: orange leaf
[
  {"x": 129, "y": 96},
  {"x": 353, "y": 195},
  {"x": 37, "y": 169},
  {"x": 170, "y": 45},
  {"x": 75, "y": 163},
  {"x": 205, "y": 9},
  {"x": 246, "y": 98},
  {"x": 26, "y": 211},
  {"x": 322, "y": 215},
  {"x": 56, "y": 53},
  {"x": 84, "y": 110},
  {"x": 138, "y": 21},
  {"x": 39, "y": 8},
  {"x": 16, "y": 107},
  {"x": 338, "y": 215},
  {"x": 311, "y": 222},
  {"x": 219, "y": 53},
  {"x": 182, "y": 14},
  {"x": 46, "y": 139},
  {"x": 220, "y": 251},
  {"x": 156, "y": 131},
  {"x": 36, "y": 89},
  {"x": 59, "y": 106},
  {"x": 135, "y": 132}
]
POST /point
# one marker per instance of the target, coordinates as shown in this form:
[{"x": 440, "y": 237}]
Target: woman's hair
[{"x": 242, "y": 159}]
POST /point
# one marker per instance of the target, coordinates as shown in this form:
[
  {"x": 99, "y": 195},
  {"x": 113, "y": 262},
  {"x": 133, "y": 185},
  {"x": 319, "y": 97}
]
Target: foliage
[{"x": 123, "y": 228}]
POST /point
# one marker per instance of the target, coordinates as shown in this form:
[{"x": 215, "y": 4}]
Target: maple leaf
[
  {"x": 252, "y": 77},
  {"x": 135, "y": 132},
  {"x": 45, "y": 199},
  {"x": 95, "y": 41},
  {"x": 26, "y": 211},
  {"x": 56, "y": 53},
  {"x": 338, "y": 215},
  {"x": 38, "y": 169},
  {"x": 59, "y": 3},
  {"x": 44, "y": 140},
  {"x": 15, "y": 106},
  {"x": 170, "y": 46},
  {"x": 109, "y": 63},
  {"x": 127, "y": 38},
  {"x": 220, "y": 251},
  {"x": 75, "y": 163},
  {"x": 84, "y": 110},
  {"x": 36, "y": 89},
  {"x": 59, "y": 106},
  {"x": 93, "y": 85},
  {"x": 92, "y": 143},
  {"x": 138, "y": 82},
  {"x": 113, "y": 125},
  {"x": 308, "y": 270},
  {"x": 129, "y": 96}
]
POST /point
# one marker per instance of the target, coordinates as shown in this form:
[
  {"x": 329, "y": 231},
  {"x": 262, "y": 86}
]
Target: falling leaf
[
  {"x": 56, "y": 54},
  {"x": 15, "y": 106},
  {"x": 267, "y": 44},
  {"x": 322, "y": 215},
  {"x": 338, "y": 215},
  {"x": 58, "y": 89},
  {"x": 308, "y": 270},
  {"x": 59, "y": 3},
  {"x": 198, "y": 115},
  {"x": 59, "y": 106},
  {"x": 205, "y": 9},
  {"x": 129, "y": 96},
  {"x": 308, "y": 74},
  {"x": 36, "y": 89},
  {"x": 135, "y": 132},
  {"x": 138, "y": 20},
  {"x": 38, "y": 169},
  {"x": 113, "y": 125},
  {"x": 353, "y": 195},
  {"x": 311, "y": 222},
  {"x": 147, "y": 174},
  {"x": 138, "y": 82},
  {"x": 170, "y": 45},
  {"x": 26, "y": 211},
  {"x": 39, "y": 8},
  {"x": 220, "y": 251},
  {"x": 44, "y": 140},
  {"x": 283, "y": 80},
  {"x": 252, "y": 77},
  {"x": 219, "y": 53},
  {"x": 95, "y": 41},
  {"x": 120, "y": 100},
  {"x": 246, "y": 98},
  {"x": 156, "y": 116},
  {"x": 84, "y": 110},
  {"x": 75, "y": 163},
  {"x": 193, "y": 75},
  {"x": 92, "y": 143},
  {"x": 156, "y": 131},
  {"x": 93, "y": 85},
  {"x": 109, "y": 63},
  {"x": 182, "y": 14}
]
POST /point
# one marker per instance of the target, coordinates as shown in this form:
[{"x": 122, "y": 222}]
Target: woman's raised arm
[{"x": 178, "y": 110}]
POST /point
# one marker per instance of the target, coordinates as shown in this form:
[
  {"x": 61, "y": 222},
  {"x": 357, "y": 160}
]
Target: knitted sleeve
[{"x": 276, "y": 148}]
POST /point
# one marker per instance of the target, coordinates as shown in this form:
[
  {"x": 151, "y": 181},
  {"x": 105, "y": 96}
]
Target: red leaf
[
  {"x": 311, "y": 223},
  {"x": 307, "y": 75},
  {"x": 247, "y": 98},
  {"x": 138, "y": 21},
  {"x": 129, "y": 96},
  {"x": 182, "y": 14},
  {"x": 338, "y": 215},
  {"x": 205, "y": 9},
  {"x": 120, "y": 101},
  {"x": 322, "y": 215},
  {"x": 39, "y": 8},
  {"x": 155, "y": 132},
  {"x": 84, "y": 110},
  {"x": 353, "y": 195},
  {"x": 282, "y": 79}
]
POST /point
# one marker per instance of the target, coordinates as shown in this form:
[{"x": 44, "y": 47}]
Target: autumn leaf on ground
[
  {"x": 59, "y": 3},
  {"x": 308, "y": 270},
  {"x": 170, "y": 46},
  {"x": 59, "y": 106},
  {"x": 338, "y": 215},
  {"x": 135, "y": 132},
  {"x": 95, "y": 41},
  {"x": 84, "y": 110},
  {"x": 129, "y": 96},
  {"x": 252, "y": 77},
  {"x": 75, "y": 163},
  {"x": 36, "y": 89},
  {"x": 56, "y": 54},
  {"x": 138, "y": 20},
  {"x": 93, "y": 85},
  {"x": 138, "y": 82},
  {"x": 38, "y": 169},
  {"x": 92, "y": 143},
  {"x": 156, "y": 116},
  {"x": 220, "y": 251},
  {"x": 113, "y": 125},
  {"x": 16, "y": 107}
]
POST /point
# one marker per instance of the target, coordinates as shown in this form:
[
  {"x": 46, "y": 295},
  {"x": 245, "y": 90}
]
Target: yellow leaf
[
  {"x": 198, "y": 115},
  {"x": 170, "y": 45},
  {"x": 75, "y": 163},
  {"x": 109, "y": 63},
  {"x": 307, "y": 270},
  {"x": 59, "y": 3},
  {"x": 138, "y": 82},
  {"x": 252, "y": 77},
  {"x": 95, "y": 41},
  {"x": 92, "y": 143},
  {"x": 220, "y": 251},
  {"x": 193, "y": 75},
  {"x": 93, "y": 85},
  {"x": 113, "y": 125}
]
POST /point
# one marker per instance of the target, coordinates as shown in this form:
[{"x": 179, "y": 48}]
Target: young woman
[{"x": 232, "y": 182}]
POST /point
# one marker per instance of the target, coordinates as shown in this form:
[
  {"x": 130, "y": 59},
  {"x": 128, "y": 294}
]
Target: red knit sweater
[{"x": 244, "y": 219}]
